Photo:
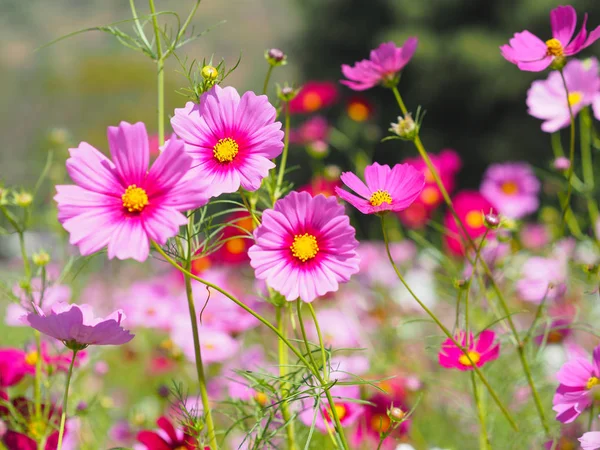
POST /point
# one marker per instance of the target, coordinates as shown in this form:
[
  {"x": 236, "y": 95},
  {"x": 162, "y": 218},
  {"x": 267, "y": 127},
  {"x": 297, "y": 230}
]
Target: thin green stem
[
  {"x": 473, "y": 275},
  {"x": 160, "y": 66},
  {"x": 304, "y": 337},
  {"x": 63, "y": 417},
  {"x": 445, "y": 330},
  {"x": 283, "y": 366},
  {"x": 284, "y": 155},
  {"x": 320, "y": 335},
  {"x": 566, "y": 204},
  {"x": 37, "y": 382},
  {"x": 484, "y": 440},
  {"x": 138, "y": 27},
  {"x": 26, "y": 264},
  {"x": 267, "y": 78},
  {"x": 255, "y": 219},
  {"x": 585, "y": 137},
  {"x": 591, "y": 417}
]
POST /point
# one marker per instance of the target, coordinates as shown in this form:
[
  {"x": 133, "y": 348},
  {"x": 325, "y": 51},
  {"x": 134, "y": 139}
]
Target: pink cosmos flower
[
  {"x": 321, "y": 185},
  {"x": 590, "y": 440},
  {"x": 231, "y": 139},
  {"x": 216, "y": 345},
  {"x": 76, "y": 325},
  {"x": 313, "y": 96},
  {"x": 121, "y": 205},
  {"x": 481, "y": 350},
  {"x": 167, "y": 437},
  {"x": 578, "y": 378},
  {"x": 147, "y": 304},
  {"x": 314, "y": 129},
  {"x": 346, "y": 407},
  {"x": 17, "y": 312},
  {"x": 385, "y": 189},
  {"x": 547, "y": 99},
  {"x": 383, "y": 65},
  {"x": 512, "y": 188},
  {"x": 542, "y": 278},
  {"x": 12, "y": 366},
  {"x": 532, "y": 54},
  {"x": 596, "y": 106},
  {"x": 304, "y": 247},
  {"x": 339, "y": 330}
]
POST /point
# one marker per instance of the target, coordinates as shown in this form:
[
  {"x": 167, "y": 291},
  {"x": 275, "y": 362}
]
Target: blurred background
[{"x": 72, "y": 90}]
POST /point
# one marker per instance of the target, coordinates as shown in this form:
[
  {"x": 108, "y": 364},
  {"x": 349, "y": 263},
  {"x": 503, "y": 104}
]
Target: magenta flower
[
  {"x": 304, "y": 247},
  {"x": 383, "y": 65},
  {"x": 385, "y": 189},
  {"x": 481, "y": 350},
  {"x": 346, "y": 406},
  {"x": 547, "y": 99},
  {"x": 77, "y": 326},
  {"x": 167, "y": 437},
  {"x": 121, "y": 205},
  {"x": 532, "y": 54},
  {"x": 590, "y": 440},
  {"x": 578, "y": 378},
  {"x": 512, "y": 188},
  {"x": 231, "y": 139}
]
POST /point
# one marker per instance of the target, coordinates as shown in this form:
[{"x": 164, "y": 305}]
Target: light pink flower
[
  {"x": 596, "y": 106},
  {"x": 542, "y": 278},
  {"x": 304, "y": 247},
  {"x": 532, "y": 54},
  {"x": 121, "y": 205},
  {"x": 148, "y": 304},
  {"x": 231, "y": 139},
  {"x": 216, "y": 346},
  {"x": 76, "y": 325},
  {"x": 16, "y": 313},
  {"x": 547, "y": 99},
  {"x": 512, "y": 188},
  {"x": 482, "y": 350},
  {"x": 385, "y": 189},
  {"x": 578, "y": 379},
  {"x": 590, "y": 440},
  {"x": 383, "y": 65},
  {"x": 338, "y": 329},
  {"x": 348, "y": 410}
]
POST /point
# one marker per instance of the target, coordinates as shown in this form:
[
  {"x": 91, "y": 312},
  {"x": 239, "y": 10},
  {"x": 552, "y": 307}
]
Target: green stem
[
  {"x": 160, "y": 65},
  {"x": 267, "y": 78},
  {"x": 37, "y": 382},
  {"x": 63, "y": 417},
  {"x": 585, "y": 136},
  {"x": 284, "y": 155},
  {"x": 445, "y": 330},
  {"x": 26, "y": 264},
  {"x": 591, "y": 417},
  {"x": 484, "y": 440},
  {"x": 283, "y": 366},
  {"x": 566, "y": 204},
  {"x": 323, "y": 352}
]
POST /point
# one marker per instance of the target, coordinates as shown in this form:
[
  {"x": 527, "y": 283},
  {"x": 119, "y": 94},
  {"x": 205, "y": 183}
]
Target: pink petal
[
  {"x": 129, "y": 240},
  {"x": 93, "y": 171},
  {"x": 130, "y": 152},
  {"x": 356, "y": 184},
  {"x": 563, "y": 20}
]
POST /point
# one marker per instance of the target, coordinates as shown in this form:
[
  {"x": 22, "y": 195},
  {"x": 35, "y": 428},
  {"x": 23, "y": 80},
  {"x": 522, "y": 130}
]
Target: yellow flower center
[
  {"x": 429, "y": 178},
  {"x": 312, "y": 101},
  {"x": 430, "y": 195},
  {"x": 554, "y": 48},
  {"x": 358, "y": 111},
  {"x": 475, "y": 357},
  {"x": 340, "y": 410},
  {"x": 225, "y": 150},
  {"x": 474, "y": 219},
  {"x": 380, "y": 197},
  {"x": 575, "y": 98},
  {"x": 134, "y": 199},
  {"x": 31, "y": 358},
  {"x": 380, "y": 423},
  {"x": 509, "y": 187},
  {"x": 37, "y": 429},
  {"x": 593, "y": 381},
  {"x": 304, "y": 247},
  {"x": 235, "y": 246},
  {"x": 261, "y": 398}
]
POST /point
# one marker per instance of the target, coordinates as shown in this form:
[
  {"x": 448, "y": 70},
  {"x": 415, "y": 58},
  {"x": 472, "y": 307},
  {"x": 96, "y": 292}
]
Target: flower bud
[
  {"x": 406, "y": 127},
  {"x": 460, "y": 283},
  {"x": 491, "y": 220},
  {"x": 82, "y": 406},
  {"x": 318, "y": 149},
  {"x": 561, "y": 163},
  {"x": 275, "y": 57},
  {"x": 261, "y": 398},
  {"x": 332, "y": 172},
  {"x": 40, "y": 258},
  {"x": 286, "y": 93},
  {"x": 163, "y": 391},
  {"x": 209, "y": 73},
  {"x": 23, "y": 199},
  {"x": 396, "y": 414}
]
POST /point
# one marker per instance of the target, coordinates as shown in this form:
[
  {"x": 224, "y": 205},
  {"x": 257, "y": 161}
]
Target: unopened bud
[
  {"x": 332, "y": 172},
  {"x": 23, "y": 199},
  {"x": 318, "y": 149},
  {"x": 396, "y": 414},
  {"x": 492, "y": 221},
  {"x": 406, "y": 127},
  {"x": 209, "y": 73},
  {"x": 261, "y": 398},
  {"x": 561, "y": 163},
  {"x": 275, "y": 57},
  {"x": 287, "y": 93},
  {"x": 460, "y": 283},
  {"x": 163, "y": 391},
  {"x": 40, "y": 258}
]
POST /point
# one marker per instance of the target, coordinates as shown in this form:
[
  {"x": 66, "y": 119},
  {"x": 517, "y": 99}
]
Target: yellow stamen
[
  {"x": 554, "y": 48},
  {"x": 358, "y": 111},
  {"x": 340, "y": 410},
  {"x": 31, "y": 358},
  {"x": 37, "y": 428},
  {"x": 312, "y": 101},
  {"x": 235, "y": 246},
  {"x": 475, "y": 357},
  {"x": 474, "y": 219},
  {"x": 509, "y": 188},
  {"x": 261, "y": 398},
  {"x": 134, "y": 199},
  {"x": 380, "y": 423},
  {"x": 304, "y": 247},
  {"x": 225, "y": 150},
  {"x": 380, "y": 197},
  {"x": 430, "y": 195},
  {"x": 593, "y": 381},
  {"x": 575, "y": 98}
]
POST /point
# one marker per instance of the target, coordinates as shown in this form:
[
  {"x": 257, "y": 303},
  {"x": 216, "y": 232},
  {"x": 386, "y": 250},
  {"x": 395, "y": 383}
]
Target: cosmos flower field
[{"x": 379, "y": 306}]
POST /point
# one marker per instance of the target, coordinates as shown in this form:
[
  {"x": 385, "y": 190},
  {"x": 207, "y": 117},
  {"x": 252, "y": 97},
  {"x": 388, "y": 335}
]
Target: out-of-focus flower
[
  {"x": 375, "y": 268},
  {"x": 231, "y": 138},
  {"x": 339, "y": 330},
  {"x": 383, "y": 66},
  {"x": 304, "y": 247},
  {"x": 313, "y": 130},
  {"x": 76, "y": 326},
  {"x": 542, "y": 278},
  {"x": 532, "y": 54},
  {"x": 237, "y": 239},
  {"x": 348, "y": 411},
  {"x": 386, "y": 189},
  {"x": 534, "y": 236},
  {"x": 561, "y": 163},
  {"x": 470, "y": 207},
  {"x": 216, "y": 345},
  {"x": 359, "y": 109},
  {"x": 512, "y": 188},
  {"x": 167, "y": 437},
  {"x": 590, "y": 440},
  {"x": 313, "y": 96},
  {"x": 547, "y": 99},
  {"x": 321, "y": 185},
  {"x": 147, "y": 304},
  {"x": 16, "y": 312},
  {"x": 153, "y": 145},
  {"x": 121, "y": 205},
  {"x": 482, "y": 350},
  {"x": 577, "y": 379},
  {"x": 12, "y": 366}
]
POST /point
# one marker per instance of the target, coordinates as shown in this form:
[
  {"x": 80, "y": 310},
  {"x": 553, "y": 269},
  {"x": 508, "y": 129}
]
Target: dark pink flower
[
  {"x": 314, "y": 96},
  {"x": 12, "y": 366},
  {"x": 346, "y": 406},
  {"x": 167, "y": 437},
  {"x": 383, "y": 65},
  {"x": 482, "y": 349},
  {"x": 530, "y": 53},
  {"x": 76, "y": 326}
]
